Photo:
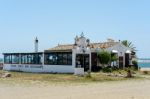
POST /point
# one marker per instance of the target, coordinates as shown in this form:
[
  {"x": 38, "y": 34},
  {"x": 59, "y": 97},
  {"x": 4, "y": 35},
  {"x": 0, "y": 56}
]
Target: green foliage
[
  {"x": 135, "y": 65},
  {"x": 114, "y": 68},
  {"x": 104, "y": 57},
  {"x": 129, "y": 44},
  {"x": 29, "y": 79},
  {"x": 114, "y": 58},
  {"x": 88, "y": 75},
  {"x": 107, "y": 69},
  {"x": 127, "y": 69}
]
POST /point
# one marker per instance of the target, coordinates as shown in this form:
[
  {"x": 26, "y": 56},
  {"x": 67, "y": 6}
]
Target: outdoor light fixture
[
  {"x": 121, "y": 53},
  {"x": 83, "y": 50},
  {"x": 128, "y": 51}
]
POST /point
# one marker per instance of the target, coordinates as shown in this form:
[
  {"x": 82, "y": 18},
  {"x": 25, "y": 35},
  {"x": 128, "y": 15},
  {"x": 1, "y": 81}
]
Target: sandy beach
[{"x": 130, "y": 89}]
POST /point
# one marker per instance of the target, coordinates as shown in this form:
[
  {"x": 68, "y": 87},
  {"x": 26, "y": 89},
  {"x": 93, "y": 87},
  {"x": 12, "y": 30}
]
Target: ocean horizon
[
  {"x": 1, "y": 60},
  {"x": 144, "y": 62}
]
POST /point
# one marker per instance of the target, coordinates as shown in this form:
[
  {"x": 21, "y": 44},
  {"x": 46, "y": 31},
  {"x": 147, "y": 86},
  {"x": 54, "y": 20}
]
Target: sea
[
  {"x": 1, "y": 60},
  {"x": 144, "y": 62}
]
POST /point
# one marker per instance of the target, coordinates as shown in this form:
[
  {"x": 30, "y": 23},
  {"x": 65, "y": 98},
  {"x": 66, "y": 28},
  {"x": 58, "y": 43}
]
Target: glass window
[
  {"x": 15, "y": 58},
  {"x": 47, "y": 59},
  {"x": 69, "y": 59},
  {"x": 31, "y": 58},
  {"x": 64, "y": 59},
  {"x": 58, "y": 58},
  {"x": 26, "y": 58},
  {"x": 40, "y": 58},
  {"x": 51, "y": 58},
  {"x": 7, "y": 59},
  {"x": 35, "y": 59}
]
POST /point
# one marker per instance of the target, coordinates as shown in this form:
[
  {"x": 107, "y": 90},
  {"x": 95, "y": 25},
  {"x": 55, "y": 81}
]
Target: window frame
[{"x": 60, "y": 57}]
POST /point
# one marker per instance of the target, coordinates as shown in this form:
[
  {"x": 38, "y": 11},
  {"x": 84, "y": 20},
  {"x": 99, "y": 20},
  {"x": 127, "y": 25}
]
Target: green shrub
[
  {"x": 88, "y": 75},
  {"x": 135, "y": 65},
  {"x": 104, "y": 57},
  {"x": 115, "y": 68},
  {"x": 107, "y": 69}
]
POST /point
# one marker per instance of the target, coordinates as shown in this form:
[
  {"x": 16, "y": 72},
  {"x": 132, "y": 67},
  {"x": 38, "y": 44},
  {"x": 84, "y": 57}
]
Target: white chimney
[{"x": 36, "y": 44}]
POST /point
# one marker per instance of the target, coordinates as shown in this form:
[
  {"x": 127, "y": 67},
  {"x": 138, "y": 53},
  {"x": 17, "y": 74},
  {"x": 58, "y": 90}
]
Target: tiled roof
[
  {"x": 69, "y": 47},
  {"x": 102, "y": 45}
]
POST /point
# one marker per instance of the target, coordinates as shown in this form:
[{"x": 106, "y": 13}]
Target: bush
[
  {"x": 96, "y": 68},
  {"x": 88, "y": 75},
  {"x": 104, "y": 57},
  {"x": 115, "y": 68},
  {"x": 107, "y": 69},
  {"x": 135, "y": 65}
]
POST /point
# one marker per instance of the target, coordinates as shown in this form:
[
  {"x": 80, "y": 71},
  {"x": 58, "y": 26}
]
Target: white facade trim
[{"x": 39, "y": 68}]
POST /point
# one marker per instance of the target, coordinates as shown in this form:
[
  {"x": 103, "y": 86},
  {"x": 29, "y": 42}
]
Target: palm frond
[{"x": 128, "y": 44}]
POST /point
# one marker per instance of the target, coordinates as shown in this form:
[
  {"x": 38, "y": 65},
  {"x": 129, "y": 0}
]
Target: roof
[
  {"x": 69, "y": 47},
  {"x": 103, "y": 45},
  {"x": 24, "y": 53},
  {"x": 119, "y": 47}
]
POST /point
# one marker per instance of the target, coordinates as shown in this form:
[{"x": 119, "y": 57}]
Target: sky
[{"x": 59, "y": 21}]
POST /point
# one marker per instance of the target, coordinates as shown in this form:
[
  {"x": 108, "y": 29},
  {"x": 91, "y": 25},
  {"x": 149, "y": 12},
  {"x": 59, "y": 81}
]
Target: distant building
[{"x": 74, "y": 58}]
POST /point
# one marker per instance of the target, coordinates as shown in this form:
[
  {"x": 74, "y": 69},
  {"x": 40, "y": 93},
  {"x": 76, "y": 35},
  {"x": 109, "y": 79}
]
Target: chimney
[{"x": 36, "y": 44}]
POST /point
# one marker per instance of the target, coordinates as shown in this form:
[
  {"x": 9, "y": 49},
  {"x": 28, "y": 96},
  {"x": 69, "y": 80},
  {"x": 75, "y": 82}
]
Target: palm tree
[{"x": 128, "y": 44}]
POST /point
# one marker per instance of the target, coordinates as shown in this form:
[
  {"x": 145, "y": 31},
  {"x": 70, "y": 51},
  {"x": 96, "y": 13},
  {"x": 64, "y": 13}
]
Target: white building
[{"x": 75, "y": 58}]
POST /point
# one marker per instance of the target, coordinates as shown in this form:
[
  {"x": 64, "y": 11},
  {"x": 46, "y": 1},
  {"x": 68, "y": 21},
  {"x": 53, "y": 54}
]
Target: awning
[
  {"x": 128, "y": 51},
  {"x": 114, "y": 51}
]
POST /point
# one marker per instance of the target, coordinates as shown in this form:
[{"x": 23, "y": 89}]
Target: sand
[
  {"x": 130, "y": 89},
  {"x": 144, "y": 69}
]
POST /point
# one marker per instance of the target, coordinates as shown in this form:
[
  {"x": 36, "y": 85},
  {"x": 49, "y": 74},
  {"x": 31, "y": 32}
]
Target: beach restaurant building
[{"x": 76, "y": 58}]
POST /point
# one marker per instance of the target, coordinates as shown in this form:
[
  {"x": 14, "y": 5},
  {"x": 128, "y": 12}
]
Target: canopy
[
  {"x": 114, "y": 51},
  {"x": 128, "y": 51}
]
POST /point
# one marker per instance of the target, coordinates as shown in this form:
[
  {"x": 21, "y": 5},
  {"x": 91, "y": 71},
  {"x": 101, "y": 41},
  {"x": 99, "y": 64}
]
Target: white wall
[
  {"x": 81, "y": 48},
  {"x": 40, "y": 68},
  {"x": 59, "y": 68},
  {"x": 121, "y": 51}
]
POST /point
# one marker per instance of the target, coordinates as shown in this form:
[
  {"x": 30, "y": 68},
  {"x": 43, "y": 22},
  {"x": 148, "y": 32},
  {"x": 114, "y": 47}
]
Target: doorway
[
  {"x": 94, "y": 66},
  {"x": 82, "y": 61},
  {"x": 121, "y": 62},
  {"x": 127, "y": 60}
]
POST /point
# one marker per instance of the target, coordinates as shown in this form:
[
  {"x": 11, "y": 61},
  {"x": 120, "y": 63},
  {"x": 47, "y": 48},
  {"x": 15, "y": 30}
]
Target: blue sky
[{"x": 59, "y": 21}]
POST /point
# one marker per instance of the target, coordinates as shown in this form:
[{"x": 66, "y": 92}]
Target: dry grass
[{"x": 36, "y": 78}]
